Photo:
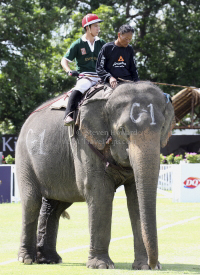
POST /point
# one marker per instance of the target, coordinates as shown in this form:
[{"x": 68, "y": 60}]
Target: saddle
[
  {"x": 91, "y": 92},
  {"x": 87, "y": 95},
  {"x": 62, "y": 102}
]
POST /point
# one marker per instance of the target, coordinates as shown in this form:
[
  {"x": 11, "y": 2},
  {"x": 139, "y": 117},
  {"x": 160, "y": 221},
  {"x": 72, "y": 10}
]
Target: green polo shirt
[{"x": 80, "y": 52}]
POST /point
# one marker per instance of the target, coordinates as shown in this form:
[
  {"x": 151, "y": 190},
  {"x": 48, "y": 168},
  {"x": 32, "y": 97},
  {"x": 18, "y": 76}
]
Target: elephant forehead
[
  {"x": 143, "y": 91},
  {"x": 125, "y": 102}
]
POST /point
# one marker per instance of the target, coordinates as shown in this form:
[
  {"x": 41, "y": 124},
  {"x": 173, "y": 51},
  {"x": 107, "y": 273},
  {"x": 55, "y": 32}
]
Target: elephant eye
[{"x": 123, "y": 132}]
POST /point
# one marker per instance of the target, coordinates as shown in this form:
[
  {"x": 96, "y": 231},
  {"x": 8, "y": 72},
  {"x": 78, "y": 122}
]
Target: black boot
[{"x": 73, "y": 101}]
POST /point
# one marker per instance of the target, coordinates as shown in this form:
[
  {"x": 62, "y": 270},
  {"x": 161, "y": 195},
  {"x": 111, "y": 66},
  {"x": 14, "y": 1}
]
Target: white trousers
[{"x": 83, "y": 84}]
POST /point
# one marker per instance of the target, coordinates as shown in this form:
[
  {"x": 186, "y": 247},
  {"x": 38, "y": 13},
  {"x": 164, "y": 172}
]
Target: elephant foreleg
[
  {"x": 100, "y": 213},
  {"x": 141, "y": 257},
  {"x": 48, "y": 229}
]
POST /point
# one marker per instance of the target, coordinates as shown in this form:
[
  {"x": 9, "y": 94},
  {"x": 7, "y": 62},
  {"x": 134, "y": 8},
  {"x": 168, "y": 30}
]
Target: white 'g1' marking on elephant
[
  {"x": 140, "y": 114},
  {"x": 35, "y": 144}
]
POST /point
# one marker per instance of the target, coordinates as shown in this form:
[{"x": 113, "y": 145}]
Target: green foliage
[
  {"x": 9, "y": 159},
  {"x": 162, "y": 159},
  {"x": 168, "y": 44},
  {"x": 192, "y": 157},
  {"x": 171, "y": 159},
  {"x": 7, "y": 127},
  {"x": 109, "y": 28},
  {"x": 34, "y": 35},
  {"x": 177, "y": 159},
  {"x": 30, "y": 66}
]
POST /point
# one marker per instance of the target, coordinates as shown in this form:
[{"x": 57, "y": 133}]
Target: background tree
[
  {"x": 36, "y": 34},
  {"x": 30, "y": 71}
]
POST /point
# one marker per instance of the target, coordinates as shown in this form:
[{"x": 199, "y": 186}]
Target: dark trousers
[{"x": 73, "y": 101}]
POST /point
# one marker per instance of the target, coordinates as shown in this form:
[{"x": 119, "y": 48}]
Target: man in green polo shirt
[{"x": 84, "y": 51}]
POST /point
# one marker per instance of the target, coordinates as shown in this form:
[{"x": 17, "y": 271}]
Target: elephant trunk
[{"x": 144, "y": 155}]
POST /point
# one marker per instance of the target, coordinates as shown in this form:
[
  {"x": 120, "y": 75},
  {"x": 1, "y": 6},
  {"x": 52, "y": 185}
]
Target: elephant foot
[
  {"x": 26, "y": 257},
  {"x": 102, "y": 261},
  {"x": 142, "y": 265},
  {"x": 47, "y": 256}
]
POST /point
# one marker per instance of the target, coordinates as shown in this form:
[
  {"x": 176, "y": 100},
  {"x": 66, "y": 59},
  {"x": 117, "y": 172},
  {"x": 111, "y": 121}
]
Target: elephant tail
[{"x": 65, "y": 215}]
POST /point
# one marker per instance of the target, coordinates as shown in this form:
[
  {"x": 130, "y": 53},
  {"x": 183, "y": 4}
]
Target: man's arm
[
  {"x": 134, "y": 68},
  {"x": 65, "y": 64},
  {"x": 100, "y": 66},
  {"x": 69, "y": 57}
]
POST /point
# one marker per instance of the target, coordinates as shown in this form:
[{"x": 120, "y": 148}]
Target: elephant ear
[
  {"x": 168, "y": 124},
  {"x": 93, "y": 122}
]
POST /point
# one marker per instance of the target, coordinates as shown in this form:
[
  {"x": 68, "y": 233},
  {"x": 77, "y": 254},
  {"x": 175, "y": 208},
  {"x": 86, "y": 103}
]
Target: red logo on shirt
[{"x": 83, "y": 51}]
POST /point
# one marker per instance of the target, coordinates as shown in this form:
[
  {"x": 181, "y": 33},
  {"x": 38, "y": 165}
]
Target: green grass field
[{"x": 178, "y": 236}]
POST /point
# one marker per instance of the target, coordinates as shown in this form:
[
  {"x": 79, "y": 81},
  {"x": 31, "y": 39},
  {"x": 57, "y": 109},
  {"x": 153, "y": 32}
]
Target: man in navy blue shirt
[{"x": 116, "y": 59}]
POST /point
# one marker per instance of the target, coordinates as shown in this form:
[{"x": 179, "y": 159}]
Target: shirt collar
[{"x": 84, "y": 38}]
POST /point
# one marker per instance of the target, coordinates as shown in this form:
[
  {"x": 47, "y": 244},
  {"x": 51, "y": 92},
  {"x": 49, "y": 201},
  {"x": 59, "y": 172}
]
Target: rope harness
[
  {"x": 104, "y": 159},
  {"x": 173, "y": 85}
]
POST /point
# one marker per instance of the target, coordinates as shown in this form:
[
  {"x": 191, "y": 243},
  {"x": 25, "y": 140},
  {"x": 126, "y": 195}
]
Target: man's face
[
  {"x": 125, "y": 39},
  {"x": 95, "y": 29}
]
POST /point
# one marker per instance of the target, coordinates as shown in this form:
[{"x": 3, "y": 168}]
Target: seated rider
[
  {"x": 116, "y": 59},
  {"x": 85, "y": 51}
]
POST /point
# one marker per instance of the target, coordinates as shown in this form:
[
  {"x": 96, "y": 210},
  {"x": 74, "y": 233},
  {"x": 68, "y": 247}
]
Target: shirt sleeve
[
  {"x": 72, "y": 52},
  {"x": 100, "y": 66},
  {"x": 134, "y": 68}
]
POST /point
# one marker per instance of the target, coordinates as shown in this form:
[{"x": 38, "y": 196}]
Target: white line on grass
[
  {"x": 166, "y": 194},
  {"x": 9, "y": 262},
  {"x": 73, "y": 249},
  {"x": 163, "y": 193},
  {"x": 177, "y": 223},
  {"x": 114, "y": 239}
]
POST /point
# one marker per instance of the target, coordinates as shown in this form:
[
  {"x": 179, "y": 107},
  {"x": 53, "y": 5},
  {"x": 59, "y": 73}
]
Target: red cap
[{"x": 90, "y": 19}]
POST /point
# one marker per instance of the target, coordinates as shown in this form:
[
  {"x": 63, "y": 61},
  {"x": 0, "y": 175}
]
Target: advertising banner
[{"x": 186, "y": 182}]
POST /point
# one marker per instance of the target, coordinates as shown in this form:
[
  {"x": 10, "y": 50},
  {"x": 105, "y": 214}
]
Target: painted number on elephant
[
  {"x": 139, "y": 118},
  {"x": 35, "y": 143}
]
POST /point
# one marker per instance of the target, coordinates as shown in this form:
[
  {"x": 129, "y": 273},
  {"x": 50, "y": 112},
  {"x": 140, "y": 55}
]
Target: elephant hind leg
[{"x": 50, "y": 213}]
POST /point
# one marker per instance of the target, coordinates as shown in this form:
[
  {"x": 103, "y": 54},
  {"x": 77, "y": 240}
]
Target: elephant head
[{"x": 139, "y": 119}]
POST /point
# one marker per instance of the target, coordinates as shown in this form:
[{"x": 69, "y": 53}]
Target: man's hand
[
  {"x": 73, "y": 73},
  {"x": 113, "y": 82}
]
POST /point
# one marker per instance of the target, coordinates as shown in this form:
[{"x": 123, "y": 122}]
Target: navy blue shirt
[{"x": 117, "y": 62}]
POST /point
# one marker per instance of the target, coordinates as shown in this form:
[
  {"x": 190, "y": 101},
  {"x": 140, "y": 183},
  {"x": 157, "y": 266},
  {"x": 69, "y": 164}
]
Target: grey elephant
[{"x": 117, "y": 143}]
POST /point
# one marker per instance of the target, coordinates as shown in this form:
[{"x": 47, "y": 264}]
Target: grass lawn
[{"x": 179, "y": 242}]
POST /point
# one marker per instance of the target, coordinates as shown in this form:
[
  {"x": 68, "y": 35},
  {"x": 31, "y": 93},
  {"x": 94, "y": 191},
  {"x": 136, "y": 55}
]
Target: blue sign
[{"x": 5, "y": 184}]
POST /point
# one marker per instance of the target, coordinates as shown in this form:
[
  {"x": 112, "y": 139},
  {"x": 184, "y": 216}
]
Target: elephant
[{"x": 116, "y": 141}]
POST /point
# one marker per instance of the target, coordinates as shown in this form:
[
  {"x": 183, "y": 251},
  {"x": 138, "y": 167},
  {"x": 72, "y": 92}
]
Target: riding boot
[{"x": 73, "y": 101}]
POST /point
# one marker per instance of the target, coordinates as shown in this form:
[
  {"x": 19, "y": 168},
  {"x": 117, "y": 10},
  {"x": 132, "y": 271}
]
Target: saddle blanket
[{"x": 61, "y": 103}]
